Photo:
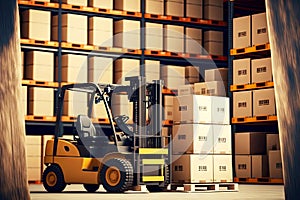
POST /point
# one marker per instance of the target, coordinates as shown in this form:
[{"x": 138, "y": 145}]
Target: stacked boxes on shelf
[
  {"x": 191, "y": 74},
  {"x": 75, "y": 103},
  {"x": 108, "y": 4},
  {"x": 101, "y": 31},
  {"x": 155, "y": 7},
  {"x": 173, "y": 76},
  {"x": 193, "y": 42},
  {"x": 174, "y": 7},
  {"x": 36, "y": 25},
  {"x": 34, "y": 157},
  {"x": 257, "y": 155},
  {"x": 213, "y": 9},
  {"x": 173, "y": 38},
  {"x": 194, "y": 9},
  {"x": 128, "y": 5},
  {"x": 41, "y": 101},
  {"x": 127, "y": 34},
  {"x": 201, "y": 139},
  {"x": 154, "y": 36},
  {"x": 71, "y": 23},
  {"x": 213, "y": 42}
]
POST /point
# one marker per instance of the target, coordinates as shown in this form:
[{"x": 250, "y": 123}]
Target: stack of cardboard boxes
[
  {"x": 257, "y": 155},
  {"x": 201, "y": 139},
  {"x": 101, "y": 31},
  {"x": 34, "y": 157},
  {"x": 127, "y": 34},
  {"x": 41, "y": 101}
]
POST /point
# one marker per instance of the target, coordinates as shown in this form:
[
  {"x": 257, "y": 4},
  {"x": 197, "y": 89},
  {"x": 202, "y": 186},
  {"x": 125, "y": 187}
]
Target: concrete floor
[{"x": 271, "y": 192}]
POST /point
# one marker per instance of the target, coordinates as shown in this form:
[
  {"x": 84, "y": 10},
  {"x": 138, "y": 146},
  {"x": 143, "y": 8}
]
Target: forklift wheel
[
  {"x": 91, "y": 187},
  {"x": 116, "y": 175},
  {"x": 53, "y": 179}
]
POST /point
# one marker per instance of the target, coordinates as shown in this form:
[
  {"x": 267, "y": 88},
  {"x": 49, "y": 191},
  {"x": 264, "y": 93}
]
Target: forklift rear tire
[
  {"x": 53, "y": 179},
  {"x": 116, "y": 175},
  {"x": 91, "y": 187}
]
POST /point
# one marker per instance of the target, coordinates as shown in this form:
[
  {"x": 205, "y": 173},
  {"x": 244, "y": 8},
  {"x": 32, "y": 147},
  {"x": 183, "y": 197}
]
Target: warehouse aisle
[{"x": 267, "y": 192}]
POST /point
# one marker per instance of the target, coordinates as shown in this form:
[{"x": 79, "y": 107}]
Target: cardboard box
[
  {"x": 36, "y": 16},
  {"x": 41, "y": 108},
  {"x": 174, "y": 45},
  {"x": 152, "y": 70},
  {"x": 155, "y": 7},
  {"x": 242, "y": 71},
  {"x": 107, "y": 4},
  {"x": 24, "y": 99},
  {"x": 168, "y": 113},
  {"x": 261, "y": 70},
  {"x": 40, "y": 94},
  {"x": 168, "y": 100},
  {"x": 128, "y": 5},
  {"x": 213, "y": 9},
  {"x": 220, "y": 110},
  {"x": 193, "y": 41},
  {"x": 173, "y": 76},
  {"x": 122, "y": 106},
  {"x": 125, "y": 68},
  {"x": 219, "y": 74},
  {"x": 243, "y": 166},
  {"x": 127, "y": 34},
  {"x": 212, "y": 88},
  {"x": 75, "y": 103},
  {"x": 194, "y": 9},
  {"x": 185, "y": 90},
  {"x": 222, "y": 168},
  {"x": 193, "y": 138},
  {"x": 99, "y": 111},
  {"x": 100, "y": 70},
  {"x": 81, "y": 36},
  {"x": 275, "y": 164},
  {"x": 242, "y": 104},
  {"x": 122, "y": 26},
  {"x": 73, "y": 2},
  {"x": 222, "y": 139},
  {"x": 71, "y": 21},
  {"x": 273, "y": 142},
  {"x": 200, "y": 88},
  {"x": 154, "y": 36},
  {"x": 192, "y": 168},
  {"x": 260, "y": 166},
  {"x": 101, "y": 38},
  {"x": 213, "y": 42},
  {"x": 250, "y": 143},
  {"x": 193, "y": 109},
  {"x": 259, "y": 29},
  {"x": 264, "y": 102},
  {"x": 242, "y": 32},
  {"x": 192, "y": 72},
  {"x": 36, "y": 31},
  {"x": 175, "y": 8}
]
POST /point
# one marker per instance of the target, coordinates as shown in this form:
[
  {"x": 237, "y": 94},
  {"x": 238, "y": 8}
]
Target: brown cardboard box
[
  {"x": 222, "y": 168},
  {"x": 220, "y": 110},
  {"x": 71, "y": 21},
  {"x": 261, "y": 70},
  {"x": 241, "y": 71},
  {"x": 259, "y": 29},
  {"x": 213, "y": 9},
  {"x": 200, "y": 88},
  {"x": 260, "y": 166},
  {"x": 122, "y": 26},
  {"x": 99, "y": 111},
  {"x": 275, "y": 164},
  {"x": 264, "y": 102},
  {"x": 124, "y": 68},
  {"x": 101, "y": 38},
  {"x": 168, "y": 100},
  {"x": 40, "y": 94},
  {"x": 73, "y": 2},
  {"x": 174, "y": 7},
  {"x": 213, "y": 42},
  {"x": 36, "y": 31},
  {"x": 273, "y": 142},
  {"x": 250, "y": 143},
  {"x": 36, "y": 16},
  {"x": 75, "y": 108},
  {"x": 173, "y": 76},
  {"x": 152, "y": 70},
  {"x": 154, "y": 36},
  {"x": 41, "y": 108},
  {"x": 219, "y": 74},
  {"x": 101, "y": 24},
  {"x": 168, "y": 113},
  {"x": 194, "y": 9},
  {"x": 243, "y": 166},
  {"x": 81, "y": 36},
  {"x": 174, "y": 45},
  {"x": 193, "y": 138},
  {"x": 185, "y": 90},
  {"x": 193, "y": 41},
  {"x": 128, "y": 5},
  {"x": 192, "y": 168},
  {"x": 242, "y": 104},
  {"x": 212, "y": 88},
  {"x": 100, "y": 70},
  {"x": 193, "y": 109},
  {"x": 107, "y": 4},
  {"x": 127, "y": 40},
  {"x": 192, "y": 74},
  {"x": 242, "y": 32},
  {"x": 155, "y": 7},
  {"x": 222, "y": 139}
]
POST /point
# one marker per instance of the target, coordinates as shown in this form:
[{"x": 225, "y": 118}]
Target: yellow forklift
[{"x": 122, "y": 158}]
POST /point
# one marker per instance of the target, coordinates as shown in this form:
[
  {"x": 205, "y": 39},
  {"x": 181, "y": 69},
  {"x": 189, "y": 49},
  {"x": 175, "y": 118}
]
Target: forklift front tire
[
  {"x": 53, "y": 179},
  {"x": 91, "y": 187}
]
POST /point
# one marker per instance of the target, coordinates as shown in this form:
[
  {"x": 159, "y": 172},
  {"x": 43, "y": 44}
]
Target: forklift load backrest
[{"x": 85, "y": 127}]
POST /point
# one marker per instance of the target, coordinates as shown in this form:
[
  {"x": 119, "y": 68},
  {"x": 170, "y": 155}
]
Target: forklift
[{"x": 123, "y": 158}]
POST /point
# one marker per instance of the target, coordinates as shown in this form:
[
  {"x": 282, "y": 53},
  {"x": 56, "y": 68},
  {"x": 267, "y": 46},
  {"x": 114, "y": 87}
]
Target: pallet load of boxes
[{"x": 257, "y": 154}]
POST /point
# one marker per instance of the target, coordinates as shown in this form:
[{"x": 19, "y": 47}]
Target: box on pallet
[
  {"x": 100, "y": 70},
  {"x": 168, "y": 107},
  {"x": 243, "y": 166},
  {"x": 192, "y": 74},
  {"x": 41, "y": 101},
  {"x": 264, "y": 102},
  {"x": 155, "y": 7},
  {"x": 213, "y": 42},
  {"x": 71, "y": 23},
  {"x": 173, "y": 38},
  {"x": 250, "y": 143},
  {"x": 213, "y": 9},
  {"x": 260, "y": 166},
  {"x": 174, "y": 7},
  {"x": 192, "y": 168},
  {"x": 261, "y": 70},
  {"x": 242, "y": 32},
  {"x": 107, "y": 4},
  {"x": 222, "y": 139},
  {"x": 39, "y": 66},
  {"x": 128, "y": 5},
  {"x": 212, "y": 88},
  {"x": 75, "y": 103},
  {"x": 275, "y": 164},
  {"x": 173, "y": 76},
  {"x": 193, "y": 41},
  {"x": 192, "y": 138},
  {"x": 127, "y": 34},
  {"x": 101, "y": 31},
  {"x": 36, "y": 24},
  {"x": 222, "y": 168},
  {"x": 241, "y": 71},
  {"x": 273, "y": 142},
  {"x": 219, "y": 74},
  {"x": 185, "y": 90},
  {"x": 259, "y": 29},
  {"x": 242, "y": 104},
  {"x": 194, "y": 9},
  {"x": 154, "y": 36}
]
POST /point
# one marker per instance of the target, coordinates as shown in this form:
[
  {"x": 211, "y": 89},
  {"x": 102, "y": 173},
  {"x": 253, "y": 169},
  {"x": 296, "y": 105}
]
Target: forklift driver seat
[{"x": 85, "y": 127}]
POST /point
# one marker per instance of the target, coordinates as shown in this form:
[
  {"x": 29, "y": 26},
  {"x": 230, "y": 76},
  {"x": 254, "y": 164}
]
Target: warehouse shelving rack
[
  {"x": 237, "y": 8},
  {"x": 41, "y": 124}
]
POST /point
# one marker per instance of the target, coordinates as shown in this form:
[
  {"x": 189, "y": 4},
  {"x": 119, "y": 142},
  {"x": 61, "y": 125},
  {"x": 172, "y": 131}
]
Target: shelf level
[
  {"x": 256, "y": 119},
  {"x": 265, "y": 180},
  {"x": 248, "y": 50},
  {"x": 252, "y": 86}
]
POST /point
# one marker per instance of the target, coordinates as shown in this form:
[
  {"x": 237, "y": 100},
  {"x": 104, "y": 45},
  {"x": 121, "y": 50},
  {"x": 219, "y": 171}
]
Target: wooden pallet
[
  {"x": 77, "y": 46},
  {"x": 263, "y": 118},
  {"x": 40, "y": 83},
  {"x": 39, "y": 42},
  {"x": 262, "y": 180},
  {"x": 252, "y": 49},
  {"x": 40, "y": 118},
  {"x": 39, "y": 3},
  {"x": 207, "y": 187},
  {"x": 252, "y": 86}
]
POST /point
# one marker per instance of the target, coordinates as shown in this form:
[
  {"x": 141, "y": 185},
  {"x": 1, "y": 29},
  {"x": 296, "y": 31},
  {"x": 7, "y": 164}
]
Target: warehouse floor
[{"x": 271, "y": 192}]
